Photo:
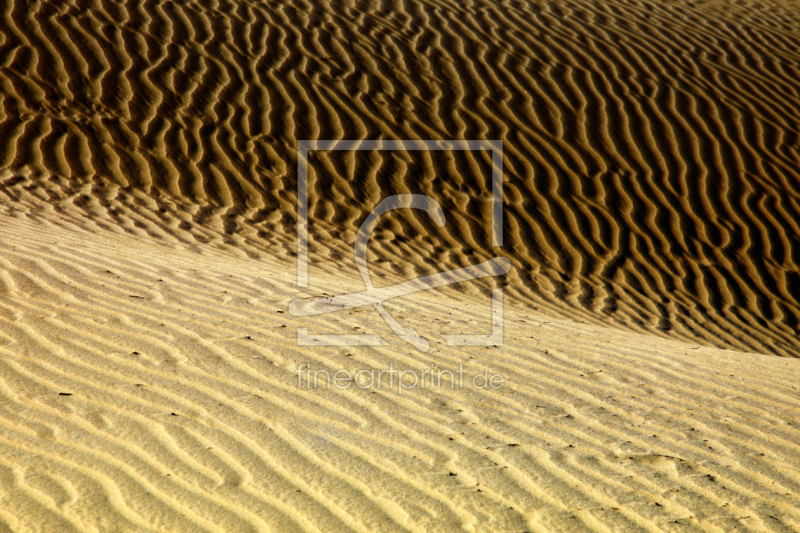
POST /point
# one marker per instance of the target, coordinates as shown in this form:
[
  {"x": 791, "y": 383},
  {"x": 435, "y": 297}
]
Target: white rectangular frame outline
[{"x": 305, "y": 146}]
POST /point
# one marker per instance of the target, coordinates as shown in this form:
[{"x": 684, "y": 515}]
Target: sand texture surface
[
  {"x": 148, "y": 388},
  {"x": 651, "y": 148},
  {"x": 151, "y": 374}
]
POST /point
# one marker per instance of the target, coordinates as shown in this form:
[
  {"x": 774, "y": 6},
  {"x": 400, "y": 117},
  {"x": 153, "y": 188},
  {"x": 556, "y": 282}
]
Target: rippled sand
[{"x": 148, "y": 218}]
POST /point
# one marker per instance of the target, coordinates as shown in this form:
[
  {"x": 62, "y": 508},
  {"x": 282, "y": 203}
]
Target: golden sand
[{"x": 151, "y": 377}]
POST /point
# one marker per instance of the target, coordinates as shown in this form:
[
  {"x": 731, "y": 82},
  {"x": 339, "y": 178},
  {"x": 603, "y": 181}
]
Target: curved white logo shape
[{"x": 376, "y": 296}]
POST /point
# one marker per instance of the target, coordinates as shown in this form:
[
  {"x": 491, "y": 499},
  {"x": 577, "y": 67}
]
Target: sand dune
[
  {"x": 147, "y": 388},
  {"x": 651, "y": 148},
  {"x": 151, "y": 376}
]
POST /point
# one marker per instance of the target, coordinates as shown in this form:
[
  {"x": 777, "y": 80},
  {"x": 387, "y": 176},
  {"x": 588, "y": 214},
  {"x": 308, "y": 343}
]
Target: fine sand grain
[
  {"x": 651, "y": 148},
  {"x": 148, "y": 388},
  {"x": 151, "y": 377}
]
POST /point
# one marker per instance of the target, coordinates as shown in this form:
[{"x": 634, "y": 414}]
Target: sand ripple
[
  {"x": 145, "y": 388},
  {"x": 651, "y": 148}
]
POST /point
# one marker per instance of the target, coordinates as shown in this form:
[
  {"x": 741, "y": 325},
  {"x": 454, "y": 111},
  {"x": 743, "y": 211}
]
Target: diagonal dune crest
[{"x": 651, "y": 148}]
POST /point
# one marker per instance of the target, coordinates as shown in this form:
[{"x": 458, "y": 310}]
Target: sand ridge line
[{"x": 650, "y": 154}]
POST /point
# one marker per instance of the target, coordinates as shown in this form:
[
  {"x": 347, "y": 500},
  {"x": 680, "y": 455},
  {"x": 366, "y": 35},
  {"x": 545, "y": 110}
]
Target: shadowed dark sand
[{"x": 651, "y": 149}]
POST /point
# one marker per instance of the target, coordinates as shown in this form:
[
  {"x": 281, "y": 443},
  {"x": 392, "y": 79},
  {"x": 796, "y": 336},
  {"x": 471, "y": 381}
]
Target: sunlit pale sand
[{"x": 149, "y": 387}]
